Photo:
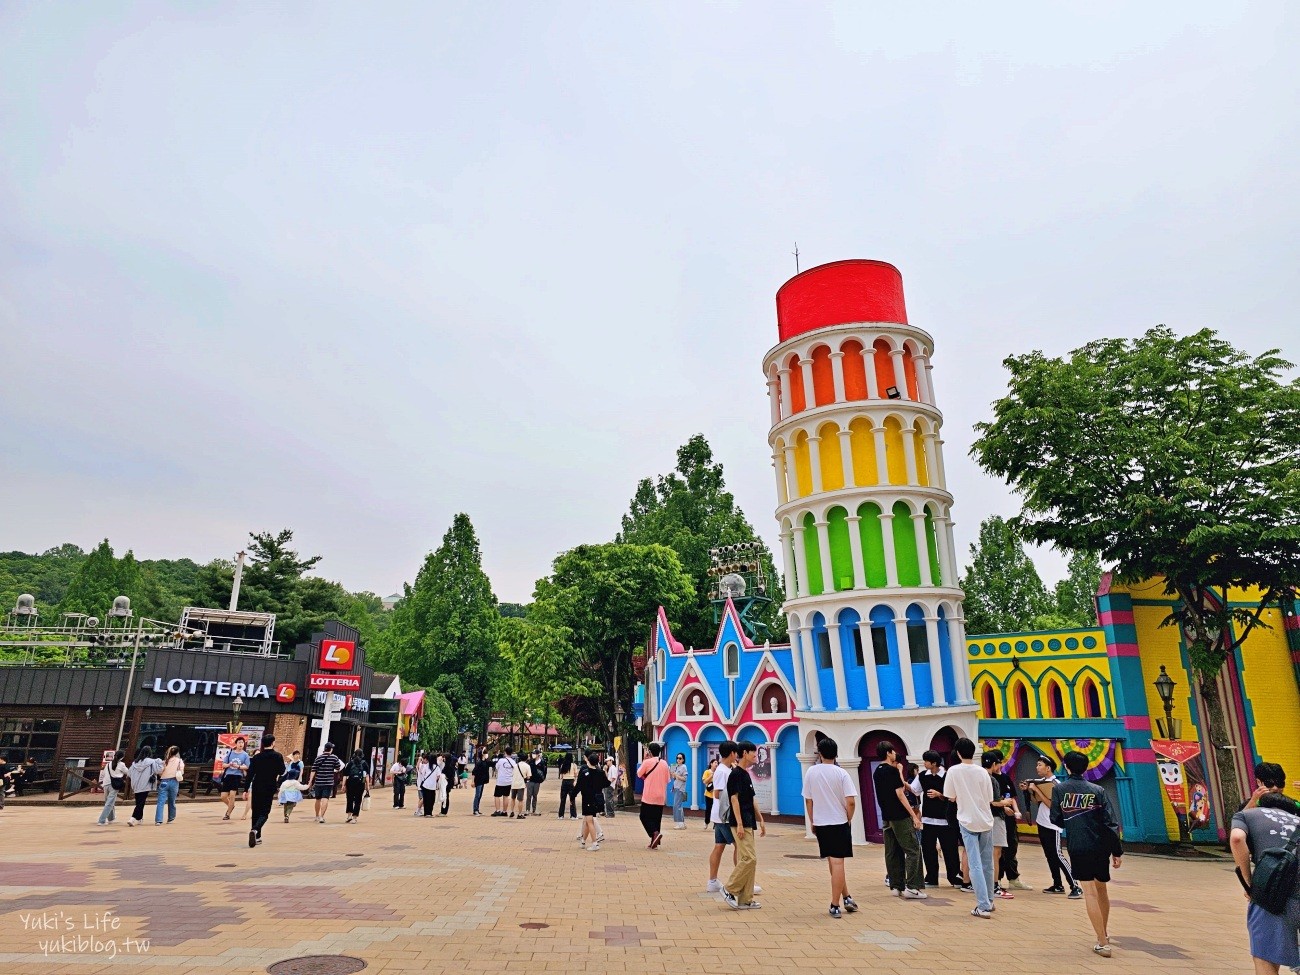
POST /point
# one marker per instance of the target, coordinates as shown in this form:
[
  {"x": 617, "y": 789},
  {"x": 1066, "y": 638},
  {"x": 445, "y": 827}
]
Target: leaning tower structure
[{"x": 871, "y": 590}]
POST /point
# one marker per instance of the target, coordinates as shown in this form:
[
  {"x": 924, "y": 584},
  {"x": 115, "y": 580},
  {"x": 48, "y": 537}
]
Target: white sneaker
[
  {"x": 714, "y": 886},
  {"x": 600, "y": 837},
  {"x": 593, "y": 848},
  {"x": 758, "y": 889},
  {"x": 915, "y": 895}
]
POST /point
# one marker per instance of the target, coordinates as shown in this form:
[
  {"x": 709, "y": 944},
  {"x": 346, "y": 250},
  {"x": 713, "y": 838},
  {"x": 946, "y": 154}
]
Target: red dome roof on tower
[{"x": 839, "y": 293}]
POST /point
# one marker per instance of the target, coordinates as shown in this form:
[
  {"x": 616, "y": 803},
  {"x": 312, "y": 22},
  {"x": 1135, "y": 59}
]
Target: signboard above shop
[{"x": 334, "y": 682}]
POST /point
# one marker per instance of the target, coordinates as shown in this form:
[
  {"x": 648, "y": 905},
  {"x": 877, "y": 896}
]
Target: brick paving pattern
[{"x": 464, "y": 895}]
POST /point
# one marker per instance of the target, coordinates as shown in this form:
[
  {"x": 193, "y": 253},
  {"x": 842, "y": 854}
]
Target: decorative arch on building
[
  {"x": 837, "y": 534},
  {"x": 772, "y": 690},
  {"x": 830, "y": 456},
  {"x": 872, "y": 533},
  {"x": 797, "y": 401},
  {"x": 895, "y": 459},
  {"x": 693, "y": 704},
  {"x": 918, "y": 451},
  {"x": 1020, "y": 700},
  {"x": 920, "y": 655},
  {"x": 987, "y": 698},
  {"x": 823, "y": 376},
  {"x": 932, "y": 546},
  {"x": 1091, "y": 696},
  {"x": 906, "y": 556},
  {"x": 866, "y": 786},
  {"x": 854, "y": 650},
  {"x": 884, "y": 366},
  {"x": 886, "y": 656},
  {"x": 1055, "y": 699},
  {"x": 813, "y": 555},
  {"x": 802, "y": 465},
  {"x": 909, "y": 372},
  {"x": 855, "y": 372},
  {"x": 862, "y": 445}
]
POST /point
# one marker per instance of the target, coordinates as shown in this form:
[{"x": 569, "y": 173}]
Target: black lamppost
[
  {"x": 236, "y": 706},
  {"x": 619, "y": 715},
  {"x": 1171, "y": 728}
]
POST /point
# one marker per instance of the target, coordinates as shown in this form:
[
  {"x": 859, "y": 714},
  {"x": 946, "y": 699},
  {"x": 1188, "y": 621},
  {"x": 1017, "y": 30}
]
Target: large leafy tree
[
  {"x": 606, "y": 597},
  {"x": 690, "y": 511},
  {"x": 443, "y": 633},
  {"x": 1076, "y": 593},
  {"x": 97, "y": 582},
  {"x": 537, "y": 667},
  {"x": 1003, "y": 590},
  {"x": 1175, "y": 458}
]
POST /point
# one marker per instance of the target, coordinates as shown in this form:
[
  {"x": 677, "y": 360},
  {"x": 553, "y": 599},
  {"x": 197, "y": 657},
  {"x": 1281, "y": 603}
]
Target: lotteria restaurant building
[{"x": 65, "y": 691}]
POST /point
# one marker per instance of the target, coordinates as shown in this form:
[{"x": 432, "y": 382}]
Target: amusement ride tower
[{"x": 871, "y": 590}]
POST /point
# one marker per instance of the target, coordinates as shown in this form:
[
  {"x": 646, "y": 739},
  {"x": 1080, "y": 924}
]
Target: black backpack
[{"x": 1273, "y": 881}]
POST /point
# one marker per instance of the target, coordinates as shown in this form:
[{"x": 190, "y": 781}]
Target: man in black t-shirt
[
  {"x": 482, "y": 775},
  {"x": 265, "y": 770},
  {"x": 744, "y": 819},
  {"x": 1008, "y": 861},
  {"x": 900, "y": 823}
]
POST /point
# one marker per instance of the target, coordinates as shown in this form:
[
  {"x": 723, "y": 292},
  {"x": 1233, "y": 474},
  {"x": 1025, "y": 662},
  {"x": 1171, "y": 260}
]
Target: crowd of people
[{"x": 957, "y": 820}]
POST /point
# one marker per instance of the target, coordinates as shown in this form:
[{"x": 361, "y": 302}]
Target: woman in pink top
[{"x": 654, "y": 773}]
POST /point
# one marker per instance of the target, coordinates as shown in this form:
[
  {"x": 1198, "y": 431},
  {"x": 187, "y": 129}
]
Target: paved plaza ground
[{"x": 465, "y": 894}]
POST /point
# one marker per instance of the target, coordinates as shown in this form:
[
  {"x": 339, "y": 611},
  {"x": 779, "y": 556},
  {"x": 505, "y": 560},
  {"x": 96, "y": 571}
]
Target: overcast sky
[{"x": 351, "y": 269}]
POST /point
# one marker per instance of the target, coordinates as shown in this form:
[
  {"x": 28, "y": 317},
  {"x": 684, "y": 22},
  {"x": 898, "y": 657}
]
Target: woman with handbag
[
  {"x": 143, "y": 774},
  {"x": 112, "y": 777},
  {"x": 680, "y": 774},
  {"x": 356, "y": 783}
]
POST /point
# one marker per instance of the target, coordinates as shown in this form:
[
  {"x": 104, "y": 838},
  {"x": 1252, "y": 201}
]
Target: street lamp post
[
  {"x": 236, "y": 706},
  {"x": 618, "y": 725},
  {"x": 1171, "y": 728}
]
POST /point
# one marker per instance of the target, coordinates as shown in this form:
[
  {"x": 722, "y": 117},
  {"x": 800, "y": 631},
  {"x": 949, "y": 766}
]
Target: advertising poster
[
  {"x": 762, "y": 774},
  {"x": 1182, "y": 773},
  {"x": 252, "y": 735},
  {"x": 379, "y": 765}
]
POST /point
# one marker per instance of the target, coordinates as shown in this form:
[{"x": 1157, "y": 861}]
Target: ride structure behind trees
[{"x": 1174, "y": 458}]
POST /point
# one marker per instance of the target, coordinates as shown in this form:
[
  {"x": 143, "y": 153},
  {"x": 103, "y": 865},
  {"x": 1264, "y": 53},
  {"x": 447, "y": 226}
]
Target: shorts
[
  {"x": 231, "y": 783},
  {"x": 517, "y": 794},
  {"x": 593, "y": 808},
  {"x": 501, "y": 792},
  {"x": 322, "y": 791},
  {"x": 835, "y": 841},
  {"x": 1000, "y": 832},
  {"x": 1090, "y": 865},
  {"x": 722, "y": 834},
  {"x": 1273, "y": 936}
]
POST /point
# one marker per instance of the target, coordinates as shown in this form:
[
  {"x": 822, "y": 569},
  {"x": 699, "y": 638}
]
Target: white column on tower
[
  {"x": 905, "y": 661},
  {"x": 900, "y": 374},
  {"x": 783, "y": 378},
  {"x": 936, "y": 657},
  {"x": 837, "y": 374}
]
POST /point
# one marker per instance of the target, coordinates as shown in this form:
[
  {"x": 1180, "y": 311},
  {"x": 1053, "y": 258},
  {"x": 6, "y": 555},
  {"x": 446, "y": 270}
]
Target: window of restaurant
[
  {"x": 34, "y": 738},
  {"x": 198, "y": 743}
]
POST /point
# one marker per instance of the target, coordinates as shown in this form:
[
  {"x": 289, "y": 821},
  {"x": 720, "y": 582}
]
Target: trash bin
[{"x": 73, "y": 769}]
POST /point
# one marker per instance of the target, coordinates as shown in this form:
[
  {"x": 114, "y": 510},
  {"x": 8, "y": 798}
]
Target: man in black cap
[{"x": 265, "y": 771}]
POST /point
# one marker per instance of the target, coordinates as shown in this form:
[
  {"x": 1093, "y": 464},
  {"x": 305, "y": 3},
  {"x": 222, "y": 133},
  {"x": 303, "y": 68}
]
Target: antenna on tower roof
[{"x": 796, "y": 257}]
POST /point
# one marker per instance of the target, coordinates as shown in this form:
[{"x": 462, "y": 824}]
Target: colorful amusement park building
[{"x": 877, "y": 648}]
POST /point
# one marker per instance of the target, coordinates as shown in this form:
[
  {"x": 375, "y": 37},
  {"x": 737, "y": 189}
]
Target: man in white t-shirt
[
  {"x": 830, "y": 800},
  {"x": 722, "y": 835},
  {"x": 1049, "y": 834},
  {"x": 505, "y": 768},
  {"x": 972, "y": 788}
]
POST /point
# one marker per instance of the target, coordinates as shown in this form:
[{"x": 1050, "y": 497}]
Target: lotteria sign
[
  {"x": 208, "y": 688},
  {"x": 334, "y": 682}
]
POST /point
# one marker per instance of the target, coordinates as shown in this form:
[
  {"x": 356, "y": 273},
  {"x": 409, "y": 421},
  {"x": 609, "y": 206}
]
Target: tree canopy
[
  {"x": 443, "y": 633},
  {"x": 1172, "y": 457},
  {"x": 606, "y": 596},
  {"x": 1003, "y": 590},
  {"x": 689, "y": 510}
]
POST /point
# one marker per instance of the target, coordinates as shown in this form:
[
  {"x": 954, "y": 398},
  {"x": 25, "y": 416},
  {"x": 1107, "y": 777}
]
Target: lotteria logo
[
  {"x": 212, "y": 688},
  {"x": 337, "y": 654},
  {"x": 286, "y": 693}
]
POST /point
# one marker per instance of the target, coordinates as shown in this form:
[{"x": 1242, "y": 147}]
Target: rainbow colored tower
[{"x": 865, "y": 516}]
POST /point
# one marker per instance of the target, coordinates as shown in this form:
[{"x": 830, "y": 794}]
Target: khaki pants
[{"x": 740, "y": 884}]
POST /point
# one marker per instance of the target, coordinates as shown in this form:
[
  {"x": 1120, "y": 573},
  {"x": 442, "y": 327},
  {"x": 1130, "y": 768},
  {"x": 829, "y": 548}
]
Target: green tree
[
  {"x": 606, "y": 596},
  {"x": 1004, "y": 593},
  {"x": 443, "y": 634},
  {"x": 96, "y": 584},
  {"x": 1174, "y": 458},
  {"x": 537, "y": 667},
  {"x": 1076, "y": 593},
  {"x": 690, "y": 511}
]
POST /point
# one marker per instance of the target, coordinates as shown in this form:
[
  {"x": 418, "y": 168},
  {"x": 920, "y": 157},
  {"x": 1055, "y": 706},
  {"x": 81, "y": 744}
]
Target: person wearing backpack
[
  {"x": 1263, "y": 841},
  {"x": 357, "y": 784},
  {"x": 1080, "y": 808}
]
